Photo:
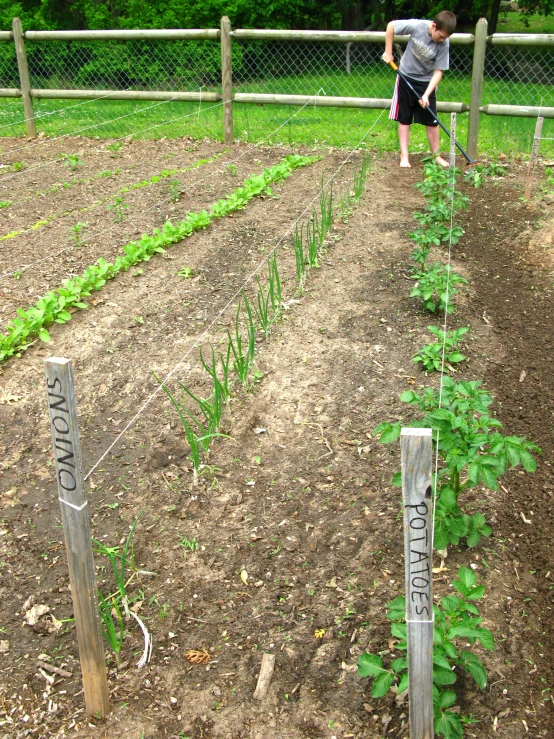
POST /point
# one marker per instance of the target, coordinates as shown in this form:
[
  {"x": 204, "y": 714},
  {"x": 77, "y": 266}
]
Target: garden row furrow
[
  {"x": 62, "y": 250},
  {"x": 472, "y": 453},
  {"x": 56, "y": 305},
  {"x": 174, "y": 186}
]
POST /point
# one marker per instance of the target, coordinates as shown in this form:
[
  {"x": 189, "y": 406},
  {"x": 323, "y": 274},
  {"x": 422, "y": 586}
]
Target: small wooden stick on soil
[{"x": 264, "y": 678}]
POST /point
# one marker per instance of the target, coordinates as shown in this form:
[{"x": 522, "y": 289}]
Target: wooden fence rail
[{"x": 224, "y": 35}]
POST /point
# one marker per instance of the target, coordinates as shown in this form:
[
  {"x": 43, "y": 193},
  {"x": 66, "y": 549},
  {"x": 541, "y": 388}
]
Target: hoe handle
[{"x": 466, "y": 156}]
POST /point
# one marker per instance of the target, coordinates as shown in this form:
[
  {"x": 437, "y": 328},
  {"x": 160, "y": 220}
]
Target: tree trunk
[
  {"x": 352, "y": 15},
  {"x": 493, "y": 20}
]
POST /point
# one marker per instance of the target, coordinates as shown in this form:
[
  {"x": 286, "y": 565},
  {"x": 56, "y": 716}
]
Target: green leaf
[
  {"x": 476, "y": 593},
  {"x": 528, "y": 461},
  {"x": 447, "y": 699},
  {"x": 477, "y": 672},
  {"x": 456, "y": 357},
  {"x": 467, "y": 577},
  {"x": 382, "y": 684},
  {"x": 441, "y": 676},
  {"x": 408, "y": 396},
  {"x": 486, "y": 639},
  {"x": 440, "y": 661},
  {"x": 449, "y": 725},
  {"x": 390, "y": 434},
  {"x": 397, "y": 480},
  {"x": 403, "y": 684},
  {"x": 44, "y": 335},
  {"x": 370, "y": 665},
  {"x": 473, "y": 539}
]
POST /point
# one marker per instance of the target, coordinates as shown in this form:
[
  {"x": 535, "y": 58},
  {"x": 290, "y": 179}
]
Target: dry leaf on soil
[{"x": 197, "y": 656}]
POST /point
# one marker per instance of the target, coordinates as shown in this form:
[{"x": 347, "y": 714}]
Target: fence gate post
[
  {"x": 24, "y": 80},
  {"x": 416, "y": 451},
  {"x": 479, "y": 51},
  {"x": 227, "y": 80},
  {"x": 76, "y": 526}
]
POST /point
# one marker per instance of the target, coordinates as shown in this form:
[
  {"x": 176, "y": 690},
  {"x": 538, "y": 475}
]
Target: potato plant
[
  {"x": 456, "y": 619},
  {"x": 471, "y": 448}
]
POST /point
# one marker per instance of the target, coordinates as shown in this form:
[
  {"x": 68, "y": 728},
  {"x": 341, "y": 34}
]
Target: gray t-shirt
[{"x": 422, "y": 55}]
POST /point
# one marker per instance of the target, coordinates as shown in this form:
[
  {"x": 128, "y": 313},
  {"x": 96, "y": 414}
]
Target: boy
[{"x": 423, "y": 63}]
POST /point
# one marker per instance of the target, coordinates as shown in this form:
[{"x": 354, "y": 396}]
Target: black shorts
[{"x": 405, "y": 107}]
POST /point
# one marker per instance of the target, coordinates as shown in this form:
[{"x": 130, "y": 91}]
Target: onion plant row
[
  {"x": 57, "y": 305},
  {"x": 201, "y": 418},
  {"x": 472, "y": 452}
]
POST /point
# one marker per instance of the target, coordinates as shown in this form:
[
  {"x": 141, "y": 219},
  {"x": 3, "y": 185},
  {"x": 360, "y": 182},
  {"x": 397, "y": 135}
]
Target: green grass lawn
[
  {"x": 270, "y": 124},
  {"x": 514, "y": 23},
  {"x": 338, "y": 127}
]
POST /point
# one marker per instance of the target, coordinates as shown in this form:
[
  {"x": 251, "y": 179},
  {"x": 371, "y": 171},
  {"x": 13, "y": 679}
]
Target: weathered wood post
[
  {"x": 452, "y": 156},
  {"x": 24, "y": 80},
  {"x": 416, "y": 451},
  {"x": 67, "y": 455},
  {"x": 227, "y": 80},
  {"x": 478, "y": 72},
  {"x": 534, "y": 156}
]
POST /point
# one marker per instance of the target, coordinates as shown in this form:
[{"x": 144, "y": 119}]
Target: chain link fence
[
  {"x": 513, "y": 75},
  {"x": 154, "y": 65},
  {"x": 332, "y": 68},
  {"x": 519, "y": 75}
]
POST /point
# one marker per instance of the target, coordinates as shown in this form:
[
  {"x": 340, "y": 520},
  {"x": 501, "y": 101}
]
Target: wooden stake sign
[
  {"x": 416, "y": 451},
  {"x": 67, "y": 455}
]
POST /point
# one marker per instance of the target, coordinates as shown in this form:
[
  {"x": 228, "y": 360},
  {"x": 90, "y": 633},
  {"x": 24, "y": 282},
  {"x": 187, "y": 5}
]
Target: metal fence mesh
[
  {"x": 519, "y": 76},
  {"x": 513, "y": 76},
  {"x": 125, "y": 65},
  {"x": 9, "y": 76},
  {"x": 335, "y": 69}
]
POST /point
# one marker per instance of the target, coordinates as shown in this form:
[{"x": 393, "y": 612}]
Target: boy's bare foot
[
  {"x": 441, "y": 162},
  {"x": 405, "y": 163}
]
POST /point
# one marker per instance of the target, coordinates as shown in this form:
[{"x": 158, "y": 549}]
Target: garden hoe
[{"x": 470, "y": 162}]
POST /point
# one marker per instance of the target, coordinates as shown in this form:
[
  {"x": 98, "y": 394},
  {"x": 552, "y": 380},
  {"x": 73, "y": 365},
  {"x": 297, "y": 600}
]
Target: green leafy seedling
[
  {"x": 72, "y": 161},
  {"x": 118, "y": 208},
  {"x": 77, "y": 232},
  {"x": 431, "y": 355}
]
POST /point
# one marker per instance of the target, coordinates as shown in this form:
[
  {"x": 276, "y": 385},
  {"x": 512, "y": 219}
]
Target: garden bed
[{"x": 300, "y": 496}]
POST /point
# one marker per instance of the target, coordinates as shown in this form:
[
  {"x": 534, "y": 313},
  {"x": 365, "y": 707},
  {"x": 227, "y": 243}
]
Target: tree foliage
[{"x": 326, "y": 14}]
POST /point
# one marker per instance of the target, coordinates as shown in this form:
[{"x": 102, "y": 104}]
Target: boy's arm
[
  {"x": 388, "y": 56},
  {"x": 433, "y": 83}
]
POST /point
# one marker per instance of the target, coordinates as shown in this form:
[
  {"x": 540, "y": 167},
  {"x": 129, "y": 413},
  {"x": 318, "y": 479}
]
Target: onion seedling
[
  {"x": 197, "y": 442},
  {"x": 298, "y": 243},
  {"x": 221, "y": 388}
]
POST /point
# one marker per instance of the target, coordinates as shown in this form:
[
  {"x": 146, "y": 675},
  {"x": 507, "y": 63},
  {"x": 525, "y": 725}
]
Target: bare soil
[{"x": 299, "y": 497}]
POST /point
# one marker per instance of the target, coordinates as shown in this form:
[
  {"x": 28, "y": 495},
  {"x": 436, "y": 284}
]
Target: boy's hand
[
  {"x": 387, "y": 57},
  {"x": 424, "y": 102}
]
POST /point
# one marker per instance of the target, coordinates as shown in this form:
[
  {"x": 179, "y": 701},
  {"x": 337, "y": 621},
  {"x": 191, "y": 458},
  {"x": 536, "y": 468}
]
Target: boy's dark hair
[{"x": 445, "y": 21}]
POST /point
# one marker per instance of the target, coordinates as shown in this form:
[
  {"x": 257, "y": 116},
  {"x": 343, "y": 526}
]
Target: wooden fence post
[
  {"x": 227, "y": 80},
  {"x": 416, "y": 451},
  {"x": 479, "y": 51},
  {"x": 452, "y": 156},
  {"x": 67, "y": 455},
  {"x": 534, "y": 156},
  {"x": 24, "y": 80}
]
